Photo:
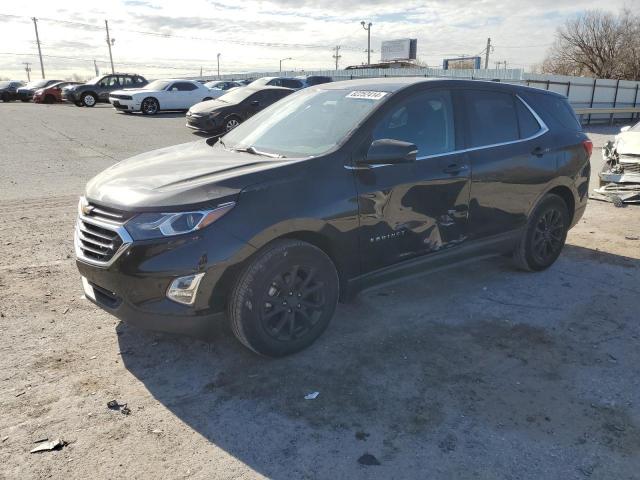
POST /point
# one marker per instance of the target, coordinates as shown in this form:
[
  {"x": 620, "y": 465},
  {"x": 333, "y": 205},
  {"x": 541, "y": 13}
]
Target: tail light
[{"x": 588, "y": 147}]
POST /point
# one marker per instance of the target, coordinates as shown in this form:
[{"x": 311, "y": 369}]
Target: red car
[{"x": 52, "y": 93}]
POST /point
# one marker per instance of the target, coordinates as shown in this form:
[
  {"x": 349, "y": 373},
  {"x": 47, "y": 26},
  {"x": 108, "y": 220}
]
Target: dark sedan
[
  {"x": 230, "y": 110},
  {"x": 9, "y": 90},
  {"x": 25, "y": 94}
]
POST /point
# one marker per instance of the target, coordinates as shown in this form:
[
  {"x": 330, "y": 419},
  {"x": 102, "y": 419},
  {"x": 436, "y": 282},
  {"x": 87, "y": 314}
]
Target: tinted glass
[
  {"x": 140, "y": 80},
  {"x": 237, "y": 96},
  {"x": 554, "y": 110},
  {"x": 126, "y": 81},
  {"x": 425, "y": 119},
  {"x": 529, "y": 126},
  {"x": 492, "y": 118},
  {"x": 308, "y": 122},
  {"x": 291, "y": 83},
  {"x": 183, "y": 86}
]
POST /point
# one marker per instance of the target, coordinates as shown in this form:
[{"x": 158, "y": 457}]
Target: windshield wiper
[{"x": 252, "y": 150}]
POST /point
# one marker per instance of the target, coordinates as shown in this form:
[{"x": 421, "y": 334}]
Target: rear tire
[
  {"x": 284, "y": 299},
  {"x": 544, "y": 236},
  {"x": 89, "y": 100}
]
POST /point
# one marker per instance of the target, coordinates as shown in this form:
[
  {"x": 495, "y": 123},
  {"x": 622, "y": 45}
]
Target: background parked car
[
  {"x": 286, "y": 82},
  {"x": 220, "y": 87},
  {"x": 25, "y": 94},
  {"x": 98, "y": 89},
  {"x": 227, "y": 112},
  {"x": 312, "y": 80},
  {"x": 170, "y": 94},
  {"x": 9, "y": 90},
  {"x": 52, "y": 93}
]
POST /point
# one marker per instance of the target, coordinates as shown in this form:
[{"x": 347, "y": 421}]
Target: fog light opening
[{"x": 184, "y": 289}]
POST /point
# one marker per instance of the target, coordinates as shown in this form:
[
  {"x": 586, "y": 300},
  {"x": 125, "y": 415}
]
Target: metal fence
[{"x": 595, "y": 100}]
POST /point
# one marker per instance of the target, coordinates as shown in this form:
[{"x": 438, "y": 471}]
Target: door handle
[{"x": 455, "y": 168}]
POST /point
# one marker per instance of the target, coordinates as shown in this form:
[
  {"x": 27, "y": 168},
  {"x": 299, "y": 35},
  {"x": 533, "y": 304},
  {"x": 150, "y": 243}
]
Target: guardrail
[{"x": 580, "y": 111}]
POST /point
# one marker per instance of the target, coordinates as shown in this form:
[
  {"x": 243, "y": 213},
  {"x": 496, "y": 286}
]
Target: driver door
[{"x": 420, "y": 207}]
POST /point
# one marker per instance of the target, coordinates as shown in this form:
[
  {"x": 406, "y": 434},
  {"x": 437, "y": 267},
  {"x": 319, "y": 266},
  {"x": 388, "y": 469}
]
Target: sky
[{"x": 178, "y": 38}]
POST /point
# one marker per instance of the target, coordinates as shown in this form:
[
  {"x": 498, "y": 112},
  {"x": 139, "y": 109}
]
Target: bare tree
[{"x": 598, "y": 44}]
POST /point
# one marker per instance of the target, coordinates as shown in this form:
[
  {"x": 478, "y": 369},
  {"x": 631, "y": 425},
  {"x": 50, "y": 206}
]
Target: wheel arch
[
  {"x": 151, "y": 97},
  {"x": 564, "y": 191}
]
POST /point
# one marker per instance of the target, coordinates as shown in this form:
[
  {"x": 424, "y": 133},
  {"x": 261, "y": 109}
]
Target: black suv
[
  {"x": 9, "y": 90},
  {"x": 98, "y": 89},
  {"x": 328, "y": 191}
]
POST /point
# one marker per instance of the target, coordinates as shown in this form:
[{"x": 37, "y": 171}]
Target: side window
[
  {"x": 492, "y": 118},
  {"x": 126, "y": 82},
  {"x": 425, "y": 119},
  {"x": 139, "y": 80},
  {"x": 186, "y": 87},
  {"x": 529, "y": 126},
  {"x": 256, "y": 97},
  {"x": 291, "y": 83},
  {"x": 105, "y": 82},
  {"x": 276, "y": 82}
]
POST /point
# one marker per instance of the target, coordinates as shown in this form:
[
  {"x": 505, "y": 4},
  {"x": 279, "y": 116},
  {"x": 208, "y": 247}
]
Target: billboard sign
[
  {"x": 461, "y": 63},
  {"x": 403, "y": 49}
]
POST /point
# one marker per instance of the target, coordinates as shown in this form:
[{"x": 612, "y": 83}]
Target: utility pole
[
  {"x": 282, "y": 60},
  {"x": 35, "y": 24},
  {"x": 27, "y": 69},
  {"x": 219, "y": 66},
  {"x": 367, "y": 27},
  {"x": 106, "y": 24},
  {"x": 486, "y": 54},
  {"x": 337, "y": 55},
  {"x": 95, "y": 67}
]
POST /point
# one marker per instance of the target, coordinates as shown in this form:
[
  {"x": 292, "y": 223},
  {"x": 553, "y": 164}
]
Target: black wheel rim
[
  {"x": 293, "y": 303},
  {"x": 548, "y": 236}
]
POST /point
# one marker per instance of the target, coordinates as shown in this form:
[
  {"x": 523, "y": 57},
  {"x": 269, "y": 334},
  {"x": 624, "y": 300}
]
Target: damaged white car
[{"x": 620, "y": 176}]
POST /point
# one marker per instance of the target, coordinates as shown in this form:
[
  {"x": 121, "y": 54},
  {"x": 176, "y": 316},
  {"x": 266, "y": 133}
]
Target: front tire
[
  {"x": 231, "y": 123},
  {"x": 89, "y": 100},
  {"x": 149, "y": 106},
  {"x": 544, "y": 236},
  {"x": 284, "y": 299}
]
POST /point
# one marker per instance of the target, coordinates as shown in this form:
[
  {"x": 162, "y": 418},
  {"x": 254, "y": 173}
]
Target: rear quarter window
[
  {"x": 529, "y": 126},
  {"x": 554, "y": 110}
]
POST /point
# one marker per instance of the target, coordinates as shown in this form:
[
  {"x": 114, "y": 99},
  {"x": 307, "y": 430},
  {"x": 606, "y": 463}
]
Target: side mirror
[
  {"x": 624, "y": 129},
  {"x": 387, "y": 150}
]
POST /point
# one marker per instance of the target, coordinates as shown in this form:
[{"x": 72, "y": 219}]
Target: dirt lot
[{"x": 479, "y": 372}]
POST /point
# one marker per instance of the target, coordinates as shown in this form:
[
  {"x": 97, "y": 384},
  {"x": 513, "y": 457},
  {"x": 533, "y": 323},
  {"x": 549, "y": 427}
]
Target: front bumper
[
  {"x": 24, "y": 96},
  {"x": 204, "y": 123},
  {"x": 70, "y": 96},
  {"x": 124, "y": 104},
  {"x": 133, "y": 286}
]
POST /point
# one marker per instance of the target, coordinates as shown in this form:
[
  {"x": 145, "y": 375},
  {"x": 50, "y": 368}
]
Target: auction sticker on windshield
[{"x": 366, "y": 94}]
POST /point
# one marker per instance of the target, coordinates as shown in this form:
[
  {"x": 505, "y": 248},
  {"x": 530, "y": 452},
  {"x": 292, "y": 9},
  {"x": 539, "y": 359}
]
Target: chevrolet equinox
[{"x": 326, "y": 192}]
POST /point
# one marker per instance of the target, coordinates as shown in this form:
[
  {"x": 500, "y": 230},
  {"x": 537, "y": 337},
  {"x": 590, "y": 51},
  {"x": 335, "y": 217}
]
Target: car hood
[
  {"x": 187, "y": 174},
  {"x": 209, "y": 106},
  {"x": 628, "y": 143},
  {"x": 131, "y": 91}
]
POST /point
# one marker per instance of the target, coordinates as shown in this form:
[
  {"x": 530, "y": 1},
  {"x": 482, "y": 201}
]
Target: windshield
[
  {"x": 213, "y": 84},
  {"x": 37, "y": 84},
  {"x": 308, "y": 123},
  {"x": 157, "y": 85},
  {"x": 237, "y": 95},
  {"x": 94, "y": 80},
  {"x": 635, "y": 128},
  {"x": 261, "y": 82}
]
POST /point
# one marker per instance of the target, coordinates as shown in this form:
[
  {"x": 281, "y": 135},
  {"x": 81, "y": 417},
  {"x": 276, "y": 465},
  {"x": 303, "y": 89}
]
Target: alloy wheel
[
  {"x": 548, "y": 235},
  {"x": 231, "y": 124},
  {"x": 293, "y": 303}
]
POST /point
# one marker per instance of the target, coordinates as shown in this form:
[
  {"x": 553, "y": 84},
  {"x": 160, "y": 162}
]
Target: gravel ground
[{"x": 478, "y": 372}]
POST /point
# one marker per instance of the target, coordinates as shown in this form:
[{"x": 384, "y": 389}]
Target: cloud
[{"x": 141, "y": 3}]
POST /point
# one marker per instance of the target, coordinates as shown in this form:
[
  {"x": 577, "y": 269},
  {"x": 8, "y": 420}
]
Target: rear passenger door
[{"x": 510, "y": 161}]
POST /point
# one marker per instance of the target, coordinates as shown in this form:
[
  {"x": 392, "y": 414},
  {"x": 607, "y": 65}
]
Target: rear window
[{"x": 492, "y": 118}]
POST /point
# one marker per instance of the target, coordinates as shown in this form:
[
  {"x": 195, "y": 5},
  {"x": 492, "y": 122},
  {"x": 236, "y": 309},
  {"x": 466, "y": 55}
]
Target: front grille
[
  {"x": 121, "y": 96},
  {"x": 100, "y": 234}
]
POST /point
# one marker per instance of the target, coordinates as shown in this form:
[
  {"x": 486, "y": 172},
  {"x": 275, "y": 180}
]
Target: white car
[
  {"x": 171, "y": 94},
  {"x": 220, "y": 87}
]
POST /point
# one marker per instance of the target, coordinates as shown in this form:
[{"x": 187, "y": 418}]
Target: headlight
[{"x": 157, "y": 225}]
